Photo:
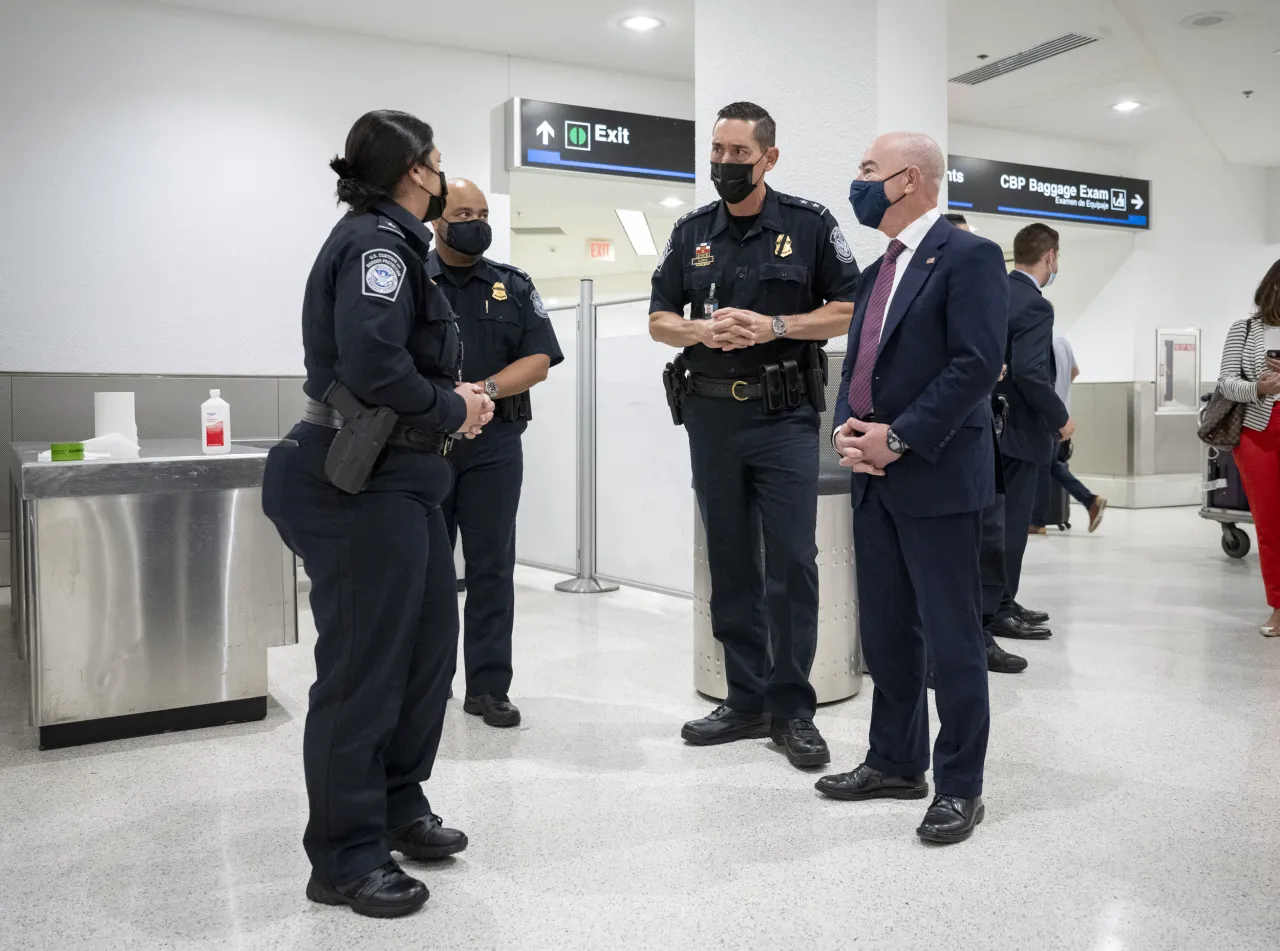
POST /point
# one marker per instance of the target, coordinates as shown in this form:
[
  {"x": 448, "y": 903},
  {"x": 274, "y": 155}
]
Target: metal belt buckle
[
  {"x": 733, "y": 390},
  {"x": 448, "y": 444}
]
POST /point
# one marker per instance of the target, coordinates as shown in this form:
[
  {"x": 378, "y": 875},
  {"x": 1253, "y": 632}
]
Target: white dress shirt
[{"x": 911, "y": 236}]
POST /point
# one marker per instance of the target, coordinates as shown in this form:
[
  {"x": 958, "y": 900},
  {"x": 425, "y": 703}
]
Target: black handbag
[{"x": 1223, "y": 419}]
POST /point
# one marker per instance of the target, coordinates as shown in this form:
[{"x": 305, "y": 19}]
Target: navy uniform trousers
[
  {"x": 919, "y": 583},
  {"x": 488, "y": 472},
  {"x": 754, "y": 475},
  {"x": 385, "y": 602}
]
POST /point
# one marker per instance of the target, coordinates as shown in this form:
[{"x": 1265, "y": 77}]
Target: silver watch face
[
  {"x": 491, "y": 389},
  {"x": 779, "y": 327}
]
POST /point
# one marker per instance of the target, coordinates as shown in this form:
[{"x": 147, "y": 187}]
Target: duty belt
[
  {"x": 740, "y": 390},
  {"x": 402, "y": 436}
]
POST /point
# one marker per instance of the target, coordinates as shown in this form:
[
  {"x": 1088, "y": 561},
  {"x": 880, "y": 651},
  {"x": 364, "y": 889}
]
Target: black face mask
[
  {"x": 471, "y": 238},
  {"x": 733, "y": 180},
  {"x": 435, "y": 207}
]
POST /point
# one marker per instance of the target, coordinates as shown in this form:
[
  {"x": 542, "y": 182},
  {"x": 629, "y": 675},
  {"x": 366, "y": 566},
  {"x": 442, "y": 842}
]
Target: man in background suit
[
  {"x": 1038, "y": 420},
  {"x": 914, "y": 425}
]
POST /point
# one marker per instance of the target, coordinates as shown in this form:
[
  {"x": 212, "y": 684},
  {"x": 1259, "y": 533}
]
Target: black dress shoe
[
  {"x": 1017, "y": 628},
  {"x": 867, "y": 783},
  {"x": 724, "y": 725},
  {"x": 1000, "y": 661},
  {"x": 1035, "y": 618},
  {"x": 386, "y": 892},
  {"x": 804, "y": 744},
  {"x": 951, "y": 819},
  {"x": 426, "y": 839},
  {"x": 497, "y": 711}
]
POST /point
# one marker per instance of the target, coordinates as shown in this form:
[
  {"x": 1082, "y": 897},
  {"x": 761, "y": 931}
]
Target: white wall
[
  {"x": 1198, "y": 265},
  {"x": 166, "y": 186}
]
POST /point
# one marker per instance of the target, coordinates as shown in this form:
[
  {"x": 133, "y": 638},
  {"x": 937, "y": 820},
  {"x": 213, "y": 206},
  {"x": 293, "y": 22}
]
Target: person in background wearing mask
[
  {"x": 1038, "y": 419},
  {"x": 1065, "y": 371},
  {"x": 768, "y": 278},
  {"x": 376, "y": 331},
  {"x": 508, "y": 346},
  {"x": 913, "y": 422}
]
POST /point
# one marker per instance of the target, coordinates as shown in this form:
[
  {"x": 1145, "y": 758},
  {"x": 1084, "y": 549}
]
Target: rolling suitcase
[{"x": 1059, "y": 513}]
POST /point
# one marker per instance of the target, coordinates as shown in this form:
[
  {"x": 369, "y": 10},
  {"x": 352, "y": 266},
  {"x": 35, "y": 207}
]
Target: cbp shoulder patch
[
  {"x": 386, "y": 224},
  {"x": 539, "y": 308},
  {"x": 383, "y": 274},
  {"x": 844, "y": 253}
]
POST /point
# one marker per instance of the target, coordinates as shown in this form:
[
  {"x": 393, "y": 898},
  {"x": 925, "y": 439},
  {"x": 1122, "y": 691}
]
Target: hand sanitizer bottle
[{"x": 215, "y": 424}]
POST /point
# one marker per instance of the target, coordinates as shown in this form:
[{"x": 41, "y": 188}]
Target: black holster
[
  {"x": 513, "y": 409},
  {"x": 773, "y": 387},
  {"x": 364, "y": 434},
  {"x": 675, "y": 380},
  {"x": 815, "y": 371}
]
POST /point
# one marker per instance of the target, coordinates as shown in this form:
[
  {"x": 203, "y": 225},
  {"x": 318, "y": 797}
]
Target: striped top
[{"x": 1242, "y": 364}]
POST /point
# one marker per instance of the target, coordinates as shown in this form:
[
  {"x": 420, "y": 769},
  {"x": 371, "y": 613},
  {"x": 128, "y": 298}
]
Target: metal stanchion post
[{"x": 586, "y": 581}]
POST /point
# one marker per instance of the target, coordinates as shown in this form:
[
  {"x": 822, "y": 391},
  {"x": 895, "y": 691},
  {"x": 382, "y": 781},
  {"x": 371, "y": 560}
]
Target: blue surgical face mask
[{"x": 869, "y": 200}]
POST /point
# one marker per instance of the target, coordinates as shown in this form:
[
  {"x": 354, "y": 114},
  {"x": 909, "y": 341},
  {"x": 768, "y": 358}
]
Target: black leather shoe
[
  {"x": 951, "y": 819},
  {"x": 386, "y": 892},
  {"x": 497, "y": 711},
  {"x": 426, "y": 839},
  {"x": 867, "y": 783},
  {"x": 1000, "y": 661},
  {"x": 1035, "y": 618},
  {"x": 1016, "y": 627},
  {"x": 804, "y": 744},
  {"x": 724, "y": 725}
]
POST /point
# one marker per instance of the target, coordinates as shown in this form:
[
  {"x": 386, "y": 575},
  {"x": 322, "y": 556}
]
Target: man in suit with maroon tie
[{"x": 914, "y": 424}]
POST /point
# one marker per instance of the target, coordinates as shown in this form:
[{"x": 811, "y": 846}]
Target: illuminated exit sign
[
  {"x": 600, "y": 250},
  {"x": 568, "y": 138}
]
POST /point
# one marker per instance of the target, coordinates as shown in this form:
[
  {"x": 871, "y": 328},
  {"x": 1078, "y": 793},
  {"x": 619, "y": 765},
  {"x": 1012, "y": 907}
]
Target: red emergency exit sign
[{"x": 599, "y": 250}]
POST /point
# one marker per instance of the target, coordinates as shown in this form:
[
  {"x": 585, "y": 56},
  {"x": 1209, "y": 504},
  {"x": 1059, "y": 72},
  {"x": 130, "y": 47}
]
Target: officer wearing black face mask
[
  {"x": 356, "y": 493},
  {"x": 508, "y": 346},
  {"x": 767, "y": 278}
]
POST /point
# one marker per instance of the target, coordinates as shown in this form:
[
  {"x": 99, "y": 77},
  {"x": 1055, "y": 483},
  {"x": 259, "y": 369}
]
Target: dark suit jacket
[
  {"x": 1036, "y": 413},
  {"x": 939, "y": 359}
]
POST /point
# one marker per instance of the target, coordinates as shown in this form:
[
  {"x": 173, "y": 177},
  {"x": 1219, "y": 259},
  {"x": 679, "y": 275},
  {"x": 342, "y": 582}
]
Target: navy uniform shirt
[
  {"x": 792, "y": 260},
  {"x": 373, "y": 320},
  {"x": 500, "y": 316}
]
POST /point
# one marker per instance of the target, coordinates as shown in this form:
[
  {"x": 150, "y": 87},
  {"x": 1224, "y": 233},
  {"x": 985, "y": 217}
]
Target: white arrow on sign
[
  {"x": 549, "y": 133},
  {"x": 1137, "y": 201}
]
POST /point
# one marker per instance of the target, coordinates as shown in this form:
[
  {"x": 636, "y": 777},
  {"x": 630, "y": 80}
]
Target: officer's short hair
[
  {"x": 381, "y": 148},
  {"x": 765, "y": 131},
  {"x": 1031, "y": 243},
  {"x": 956, "y": 218}
]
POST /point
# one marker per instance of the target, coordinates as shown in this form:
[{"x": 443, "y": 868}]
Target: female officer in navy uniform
[{"x": 382, "y": 579}]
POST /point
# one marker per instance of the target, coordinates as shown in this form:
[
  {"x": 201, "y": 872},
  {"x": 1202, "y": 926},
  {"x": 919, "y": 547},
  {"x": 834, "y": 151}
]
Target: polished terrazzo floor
[{"x": 1131, "y": 789}]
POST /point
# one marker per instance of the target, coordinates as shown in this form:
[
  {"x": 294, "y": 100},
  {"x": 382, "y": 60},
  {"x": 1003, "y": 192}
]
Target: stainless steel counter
[{"x": 146, "y": 591}]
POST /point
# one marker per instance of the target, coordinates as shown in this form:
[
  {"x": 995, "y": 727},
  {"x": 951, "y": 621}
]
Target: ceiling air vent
[
  {"x": 1036, "y": 54},
  {"x": 537, "y": 231}
]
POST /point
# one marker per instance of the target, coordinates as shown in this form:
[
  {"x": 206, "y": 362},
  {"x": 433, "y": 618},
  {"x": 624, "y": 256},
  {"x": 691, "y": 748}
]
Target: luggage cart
[{"x": 1224, "y": 499}]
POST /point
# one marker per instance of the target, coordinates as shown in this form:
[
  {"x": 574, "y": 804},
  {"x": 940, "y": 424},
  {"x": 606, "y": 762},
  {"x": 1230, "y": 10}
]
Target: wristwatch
[
  {"x": 896, "y": 444},
  {"x": 491, "y": 388},
  {"x": 779, "y": 327}
]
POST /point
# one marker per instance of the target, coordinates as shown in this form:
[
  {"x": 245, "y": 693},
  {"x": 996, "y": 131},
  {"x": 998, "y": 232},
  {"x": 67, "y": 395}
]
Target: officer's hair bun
[
  {"x": 351, "y": 190},
  {"x": 344, "y": 168}
]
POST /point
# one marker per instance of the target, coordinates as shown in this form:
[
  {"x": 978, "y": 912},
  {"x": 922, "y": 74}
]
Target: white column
[{"x": 833, "y": 75}]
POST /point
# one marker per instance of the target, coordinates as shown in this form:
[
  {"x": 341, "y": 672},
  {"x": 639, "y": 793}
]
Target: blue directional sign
[{"x": 1031, "y": 191}]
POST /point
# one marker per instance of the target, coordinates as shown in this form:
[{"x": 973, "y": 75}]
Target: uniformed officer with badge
[
  {"x": 768, "y": 278},
  {"x": 508, "y": 346},
  {"x": 356, "y": 494}
]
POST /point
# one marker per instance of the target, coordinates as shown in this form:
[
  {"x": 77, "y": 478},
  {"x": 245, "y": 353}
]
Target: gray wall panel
[
  {"x": 292, "y": 401},
  {"x": 48, "y": 408},
  {"x": 1177, "y": 448},
  {"x": 6, "y": 437},
  {"x": 1103, "y": 428}
]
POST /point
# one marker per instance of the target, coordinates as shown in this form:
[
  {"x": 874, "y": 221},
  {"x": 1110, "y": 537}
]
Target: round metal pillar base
[{"x": 585, "y": 586}]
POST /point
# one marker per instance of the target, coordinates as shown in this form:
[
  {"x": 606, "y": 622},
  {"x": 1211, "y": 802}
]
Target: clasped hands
[
  {"x": 732, "y": 328},
  {"x": 864, "y": 447},
  {"x": 479, "y": 408}
]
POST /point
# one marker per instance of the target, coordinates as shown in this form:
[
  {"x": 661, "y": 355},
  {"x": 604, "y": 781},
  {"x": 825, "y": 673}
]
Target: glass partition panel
[
  {"x": 545, "y": 527},
  {"x": 644, "y": 510}
]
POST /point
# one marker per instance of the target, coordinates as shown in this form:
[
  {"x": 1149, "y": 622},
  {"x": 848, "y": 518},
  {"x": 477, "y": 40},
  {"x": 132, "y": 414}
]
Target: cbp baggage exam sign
[
  {"x": 1029, "y": 191},
  {"x": 598, "y": 141}
]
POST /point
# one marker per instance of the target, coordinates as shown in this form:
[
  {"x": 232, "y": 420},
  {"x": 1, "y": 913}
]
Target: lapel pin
[{"x": 930, "y": 261}]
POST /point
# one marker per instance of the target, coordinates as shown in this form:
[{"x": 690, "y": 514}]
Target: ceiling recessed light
[
  {"x": 636, "y": 225},
  {"x": 672, "y": 202},
  {"x": 1128, "y": 105},
  {"x": 1200, "y": 21},
  {"x": 641, "y": 24}
]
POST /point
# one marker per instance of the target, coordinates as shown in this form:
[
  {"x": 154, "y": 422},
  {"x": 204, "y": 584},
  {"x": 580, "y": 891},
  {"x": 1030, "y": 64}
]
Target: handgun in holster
[
  {"x": 773, "y": 388},
  {"x": 359, "y": 442},
  {"x": 675, "y": 382},
  {"x": 999, "y": 412},
  {"x": 815, "y": 371}
]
